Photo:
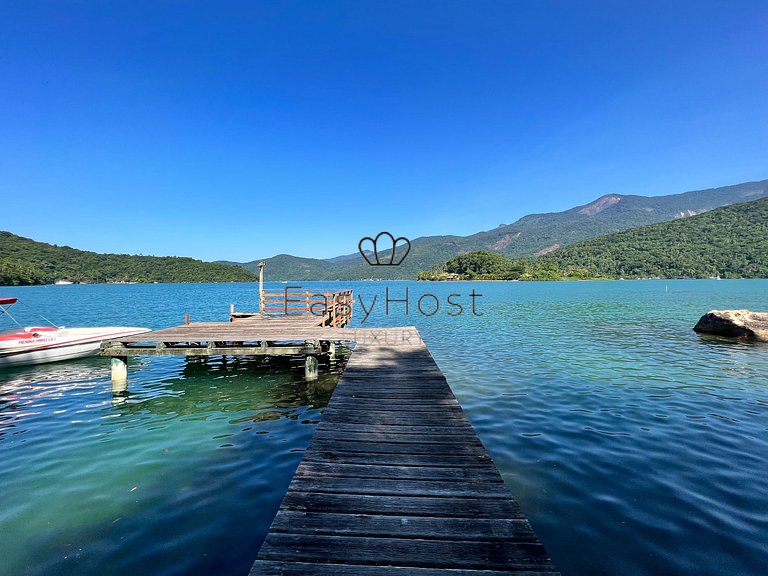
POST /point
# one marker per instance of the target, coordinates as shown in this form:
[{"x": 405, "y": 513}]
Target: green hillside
[
  {"x": 528, "y": 237},
  {"x": 24, "y": 261},
  {"x": 728, "y": 242}
]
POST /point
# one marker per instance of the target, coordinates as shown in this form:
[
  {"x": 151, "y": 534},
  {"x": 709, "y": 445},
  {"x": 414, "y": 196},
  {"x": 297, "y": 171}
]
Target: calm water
[{"x": 633, "y": 445}]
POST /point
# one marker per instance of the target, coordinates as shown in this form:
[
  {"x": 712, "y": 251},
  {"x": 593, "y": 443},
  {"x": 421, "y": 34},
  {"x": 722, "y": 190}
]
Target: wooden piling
[
  {"x": 119, "y": 366},
  {"x": 310, "y": 368}
]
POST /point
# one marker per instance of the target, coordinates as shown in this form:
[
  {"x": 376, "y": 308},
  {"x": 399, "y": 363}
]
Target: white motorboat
[{"x": 40, "y": 344}]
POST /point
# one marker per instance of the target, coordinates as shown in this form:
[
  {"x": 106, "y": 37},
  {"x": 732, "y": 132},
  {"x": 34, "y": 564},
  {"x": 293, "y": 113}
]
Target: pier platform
[{"x": 395, "y": 480}]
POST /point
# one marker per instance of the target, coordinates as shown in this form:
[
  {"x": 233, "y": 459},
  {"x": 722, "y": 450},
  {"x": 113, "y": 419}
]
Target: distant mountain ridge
[{"x": 531, "y": 235}]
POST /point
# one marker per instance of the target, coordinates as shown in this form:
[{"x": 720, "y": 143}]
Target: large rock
[{"x": 737, "y": 323}]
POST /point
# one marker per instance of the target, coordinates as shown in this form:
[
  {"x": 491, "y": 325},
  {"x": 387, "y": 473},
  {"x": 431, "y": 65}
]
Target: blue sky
[{"x": 237, "y": 130}]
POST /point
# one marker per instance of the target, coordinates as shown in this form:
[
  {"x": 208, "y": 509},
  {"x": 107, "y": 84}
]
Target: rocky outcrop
[
  {"x": 735, "y": 323},
  {"x": 599, "y": 205}
]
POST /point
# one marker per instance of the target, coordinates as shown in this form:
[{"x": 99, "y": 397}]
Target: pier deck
[{"x": 396, "y": 482}]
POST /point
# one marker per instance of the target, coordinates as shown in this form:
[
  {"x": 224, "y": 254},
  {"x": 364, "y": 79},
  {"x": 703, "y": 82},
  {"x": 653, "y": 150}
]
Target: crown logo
[{"x": 400, "y": 247}]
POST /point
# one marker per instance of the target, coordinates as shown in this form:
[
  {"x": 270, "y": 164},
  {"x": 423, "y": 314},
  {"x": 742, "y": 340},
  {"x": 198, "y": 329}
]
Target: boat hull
[{"x": 63, "y": 344}]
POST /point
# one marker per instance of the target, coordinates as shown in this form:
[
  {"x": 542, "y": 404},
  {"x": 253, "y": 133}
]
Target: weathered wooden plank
[
  {"x": 401, "y": 505},
  {"x": 452, "y": 429},
  {"x": 393, "y": 394},
  {"x": 396, "y": 407},
  {"x": 426, "y": 438},
  {"x": 277, "y": 568},
  {"x": 356, "y": 446},
  {"x": 377, "y": 370},
  {"x": 425, "y": 460},
  {"x": 484, "y": 529},
  {"x": 375, "y": 390},
  {"x": 393, "y": 387},
  {"x": 404, "y": 552},
  {"x": 399, "y": 487},
  {"x": 447, "y": 412},
  {"x": 392, "y": 418},
  {"x": 389, "y": 406},
  {"x": 487, "y": 473}
]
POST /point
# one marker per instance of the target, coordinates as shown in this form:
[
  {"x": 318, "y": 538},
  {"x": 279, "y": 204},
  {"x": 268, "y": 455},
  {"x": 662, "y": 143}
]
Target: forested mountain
[
  {"x": 25, "y": 261},
  {"x": 532, "y": 235},
  {"x": 728, "y": 242}
]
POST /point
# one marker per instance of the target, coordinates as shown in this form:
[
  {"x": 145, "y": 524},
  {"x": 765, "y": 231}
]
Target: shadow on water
[
  {"x": 733, "y": 342},
  {"x": 203, "y": 387}
]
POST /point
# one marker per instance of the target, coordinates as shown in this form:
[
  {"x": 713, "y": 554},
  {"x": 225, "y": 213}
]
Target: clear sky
[{"x": 237, "y": 130}]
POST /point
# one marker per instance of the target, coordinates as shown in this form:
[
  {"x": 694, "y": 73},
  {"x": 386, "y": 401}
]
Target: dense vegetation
[
  {"x": 530, "y": 236},
  {"x": 729, "y": 242},
  {"x": 484, "y": 265},
  {"x": 24, "y": 261}
]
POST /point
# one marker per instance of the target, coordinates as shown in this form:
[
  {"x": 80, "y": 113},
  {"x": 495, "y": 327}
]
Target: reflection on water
[{"x": 159, "y": 481}]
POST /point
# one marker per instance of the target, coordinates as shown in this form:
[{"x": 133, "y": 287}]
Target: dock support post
[
  {"x": 119, "y": 374},
  {"x": 310, "y": 367},
  {"x": 261, "y": 287}
]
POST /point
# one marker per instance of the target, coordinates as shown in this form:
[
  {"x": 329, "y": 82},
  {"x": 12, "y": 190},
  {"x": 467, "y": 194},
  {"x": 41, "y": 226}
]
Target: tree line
[{"x": 26, "y": 262}]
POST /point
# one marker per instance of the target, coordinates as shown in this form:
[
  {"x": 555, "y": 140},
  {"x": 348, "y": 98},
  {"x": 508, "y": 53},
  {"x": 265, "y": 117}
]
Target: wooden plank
[
  {"x": 401, "y": 505},
  {"x": 403, "y": 552},
  {"x": 399, "y": 487},
  {"x": 425, "y": 438},
  {"x": 439, "y": 460},
  {"x": 423, "y": 527},
  {"x": 390, "y": 405},
  {"x": 393, "y": 394},
  {"x": 277, "y": 568},
  {"x": 393, "y": 418},
  {"x": 453, "y": 429},
  {"x": 445, "y": 474},
  {"x": 445, "y": 407},
  {"x": 453, "y": 412},
  {"x": 416, "y": 448}
]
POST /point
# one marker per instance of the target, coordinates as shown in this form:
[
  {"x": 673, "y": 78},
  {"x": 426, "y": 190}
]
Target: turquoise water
[{"x": 634, "y": 445}]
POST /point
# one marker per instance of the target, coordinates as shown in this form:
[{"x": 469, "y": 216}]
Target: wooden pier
[{"x": 395, "y": 480}]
